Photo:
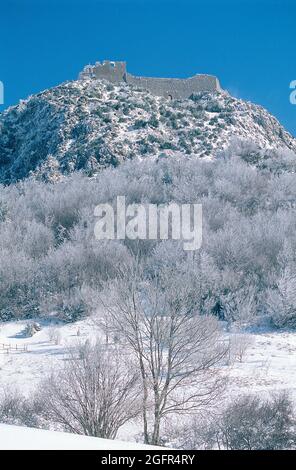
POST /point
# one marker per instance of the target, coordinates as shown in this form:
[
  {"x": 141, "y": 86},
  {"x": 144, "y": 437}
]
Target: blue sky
[{"x": 248, "y": 44}]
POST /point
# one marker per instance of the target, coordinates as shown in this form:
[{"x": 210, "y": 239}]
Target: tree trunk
[
  {"x": 145, "y": 400},
  {"x": 157, "y": 419}
]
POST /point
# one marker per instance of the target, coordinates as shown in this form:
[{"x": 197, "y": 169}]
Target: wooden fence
[{"x": 7, "y": 348}]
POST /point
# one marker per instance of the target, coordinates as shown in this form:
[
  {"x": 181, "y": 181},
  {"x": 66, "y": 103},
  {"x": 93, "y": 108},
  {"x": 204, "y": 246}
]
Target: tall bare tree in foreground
[
  {"x": 177, "y": 350},
  {"x": 94, "y": 394}
]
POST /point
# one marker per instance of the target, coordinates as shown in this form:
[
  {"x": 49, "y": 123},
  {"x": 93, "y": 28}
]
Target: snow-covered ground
[
  {"x": 21, "y": 438},
  {"x": 24, "y": 369},
  {"x": 268, "y": 365}
]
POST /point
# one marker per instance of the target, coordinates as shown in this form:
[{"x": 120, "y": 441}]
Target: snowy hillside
[
  {"x": 22, "y": 438},
  {"x": 76, "y": 310},
  {"x": 92, "y": 124}
]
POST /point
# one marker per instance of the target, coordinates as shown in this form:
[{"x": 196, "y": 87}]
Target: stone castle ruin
[{"x": 173, "y": 88}]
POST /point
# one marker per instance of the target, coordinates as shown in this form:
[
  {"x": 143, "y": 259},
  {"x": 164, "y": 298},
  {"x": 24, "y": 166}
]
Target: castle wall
[
  {"x": 174, "y": 88},
  {"x": 112, "y": 71}
]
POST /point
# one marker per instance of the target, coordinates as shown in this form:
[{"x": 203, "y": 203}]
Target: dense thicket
[{"x": 51, "y": 263}]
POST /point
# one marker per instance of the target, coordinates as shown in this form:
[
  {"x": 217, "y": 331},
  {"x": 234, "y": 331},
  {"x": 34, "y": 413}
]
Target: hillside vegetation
[{"x": 51, "y": 263}]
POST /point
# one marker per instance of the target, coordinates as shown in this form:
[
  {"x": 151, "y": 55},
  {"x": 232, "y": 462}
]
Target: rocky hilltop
[{"x": 90, "y": 124}]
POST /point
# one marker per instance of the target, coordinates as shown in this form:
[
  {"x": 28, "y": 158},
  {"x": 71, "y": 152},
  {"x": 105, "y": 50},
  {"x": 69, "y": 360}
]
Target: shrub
[
  {"x": 32, "y": 328},
  {"x": 107, "y": 400},
  {"x": 18, "y": 410},
  {"x": 247, "y": 423},
  {"x": 251, "y": 423},
  {"x": 54, "y": 335}
]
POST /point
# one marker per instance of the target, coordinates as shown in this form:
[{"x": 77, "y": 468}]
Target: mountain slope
[{"x": 89, "y": 124}]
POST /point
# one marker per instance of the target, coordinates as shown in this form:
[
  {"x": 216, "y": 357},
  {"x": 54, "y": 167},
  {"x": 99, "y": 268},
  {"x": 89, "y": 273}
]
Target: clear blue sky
[{"x": 250, "y": 45}]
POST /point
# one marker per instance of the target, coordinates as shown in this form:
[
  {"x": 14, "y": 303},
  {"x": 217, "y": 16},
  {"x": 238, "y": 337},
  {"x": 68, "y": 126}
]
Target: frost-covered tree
[
  {"x": 94, "y": 394},
  {"x": 282, "y": 300},
  {"x": 251, "y": 423},
  {"x": 176, "y": 349}
]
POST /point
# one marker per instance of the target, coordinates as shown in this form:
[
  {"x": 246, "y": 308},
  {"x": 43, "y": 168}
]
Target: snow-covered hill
[
  {"x": 22, "y": 438},
  {"x": 92, "y": 124}
]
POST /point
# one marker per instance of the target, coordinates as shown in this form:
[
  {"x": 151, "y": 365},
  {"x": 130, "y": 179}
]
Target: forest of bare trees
[
  {"x": 245, "y": 269},
  {"x": 159, "y": 313}
]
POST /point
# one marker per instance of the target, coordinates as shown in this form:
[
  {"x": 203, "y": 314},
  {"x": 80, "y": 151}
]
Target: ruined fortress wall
[
  {"x": 175, "y": 88},
  {"x": 112, "y": 71}
]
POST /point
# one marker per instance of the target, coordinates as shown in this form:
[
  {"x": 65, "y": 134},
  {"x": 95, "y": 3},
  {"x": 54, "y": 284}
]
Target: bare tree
[
  {"x": 176, "y": 349},
  {"x": 94, "y": 394},
  {"x": 239, "y": 344},
  {"x": 54, "y": 335}
]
